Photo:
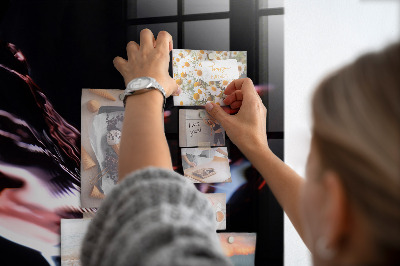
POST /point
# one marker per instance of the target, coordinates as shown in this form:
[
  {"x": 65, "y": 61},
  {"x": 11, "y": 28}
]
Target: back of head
[{"x": 356, "y": 114}]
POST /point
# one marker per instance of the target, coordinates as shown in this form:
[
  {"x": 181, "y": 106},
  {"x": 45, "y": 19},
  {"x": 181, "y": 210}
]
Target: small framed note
[{"x": 198, "y": 129}]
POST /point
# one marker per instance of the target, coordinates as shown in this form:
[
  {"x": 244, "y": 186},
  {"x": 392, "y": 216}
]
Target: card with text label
[{"x": 198, "y": 129}]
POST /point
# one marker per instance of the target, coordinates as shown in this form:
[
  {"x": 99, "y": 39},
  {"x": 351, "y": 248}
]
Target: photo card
[
  {"x": 218, "y": 202},
  {"x": 198, "y": 129},
  {"x": 101, "y": 124},
  {"x": 240, "y": 248},
  {"x": 72, "y": 233},
  {"x": 206, "y": 165},
  {"x": 203, "y": 75}
]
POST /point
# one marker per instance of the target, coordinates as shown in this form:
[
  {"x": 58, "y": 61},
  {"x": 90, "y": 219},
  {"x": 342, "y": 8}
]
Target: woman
[
  {"x": 349, "y": 204},
  {"x": 217, "y": 130}
]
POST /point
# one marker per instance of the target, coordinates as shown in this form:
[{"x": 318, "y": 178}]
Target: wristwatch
[{"x": 140, "y": 85}]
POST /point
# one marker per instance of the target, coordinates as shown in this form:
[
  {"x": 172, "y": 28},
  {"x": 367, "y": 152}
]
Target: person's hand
[
  {"x": 150, "y": 59},
  {"x": 192, "y": 164},
  {"x": 247, "y": 129}
]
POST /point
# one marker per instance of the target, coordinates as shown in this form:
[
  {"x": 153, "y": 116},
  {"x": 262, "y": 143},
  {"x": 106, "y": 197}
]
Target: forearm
[
  {"x": 143, "y": 141},
  {"x": 284, "y": 183}
]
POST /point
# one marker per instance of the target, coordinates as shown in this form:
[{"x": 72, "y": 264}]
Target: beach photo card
[
  {"x": 198, "y": 129},
  {"x": 203, "y": 75},
  {"x": 72, "y": 233},
  {"x": 206, "y": 165},
  {"x": 240, "y": 248},
  {"x": 218, "y": 202}
]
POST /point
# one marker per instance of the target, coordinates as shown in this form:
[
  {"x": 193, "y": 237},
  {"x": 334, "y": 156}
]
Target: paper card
[
  {"x": 99, "y": 159},
  {"x": 198, "y": 129},
  {"x": 72, "y": 233},
  {"x": 218, "y": 202},
  {"x": 204, "y": 74},
  {"x": 102, "y": 115},
  {"x": 240, "y": 248},
  {"x": 206, "y": 165},
  {"x": 217, "y": 70}
]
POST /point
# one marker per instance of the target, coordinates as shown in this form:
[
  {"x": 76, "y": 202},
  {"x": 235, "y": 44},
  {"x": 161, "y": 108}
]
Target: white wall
[{"x": 320, "y": 36}]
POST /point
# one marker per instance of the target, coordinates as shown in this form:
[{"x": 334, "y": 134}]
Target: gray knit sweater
[{"x": 153, "y": 217}]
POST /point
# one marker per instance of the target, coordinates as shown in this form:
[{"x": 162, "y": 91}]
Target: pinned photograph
[
  {"x": 203, "y": 75},
  {"x": 102, "y": 114},
  {"x": 240, "y": 248},
  {"x": 72, "y": 233},
  {"x": 218, "y": 202},
  {"x": 206, "y": 165},
  {"x": 198, "y": 129}
]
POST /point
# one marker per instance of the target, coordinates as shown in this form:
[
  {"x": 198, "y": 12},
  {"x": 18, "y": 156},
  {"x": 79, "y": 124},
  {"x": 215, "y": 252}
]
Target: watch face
[{"x": 140, "y": 83}]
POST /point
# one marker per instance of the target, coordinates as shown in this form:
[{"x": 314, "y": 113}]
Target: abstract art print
[
  {"x": 206, "y": 165},
  {"x": 203, "y": 75},
  {"x": 198, "y": 129}
]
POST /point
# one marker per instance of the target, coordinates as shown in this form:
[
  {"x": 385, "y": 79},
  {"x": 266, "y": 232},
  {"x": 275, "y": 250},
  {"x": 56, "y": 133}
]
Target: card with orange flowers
[{"x": 204, "y": 74}]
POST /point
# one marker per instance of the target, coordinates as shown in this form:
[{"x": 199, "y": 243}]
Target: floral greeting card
[{"x": 203, "y": 74}]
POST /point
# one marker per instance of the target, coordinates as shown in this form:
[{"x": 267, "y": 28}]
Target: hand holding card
[{"x": 252, "y": 115}]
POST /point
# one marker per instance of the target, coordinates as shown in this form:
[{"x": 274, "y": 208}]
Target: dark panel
[
  {"x": 243, "y": 32},
  {"x": 205, "y": 6},
  {"x": 206, "y": 35},
  {"x": 151, "y": 8},
  {"x": 271, "y": 75},
  {"x": 69, "y": 45}
]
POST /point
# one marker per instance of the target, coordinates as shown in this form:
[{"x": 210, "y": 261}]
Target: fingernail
[{"x": 209, "y": 106}]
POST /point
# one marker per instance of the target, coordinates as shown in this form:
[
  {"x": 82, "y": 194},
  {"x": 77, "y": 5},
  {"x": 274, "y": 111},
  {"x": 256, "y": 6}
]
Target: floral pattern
[{"x": 187, "y": 74}]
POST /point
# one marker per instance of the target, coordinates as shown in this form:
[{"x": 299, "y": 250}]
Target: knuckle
[
  {"x": 131, "y": 46},
  {"x": 163, "y": 34},
  {"x": 248, "y": 80}
]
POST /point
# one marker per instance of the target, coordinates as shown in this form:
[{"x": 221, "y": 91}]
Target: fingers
[
  {"x": 177, "y": 92},
  {"x": 119, "y": 63},
  {"x": 234, "y": 97},
  {"x": 164, "y": 41},
  {"x": 236, "y": 105},
  {"x": 218, "y": 113},
  {"x": 131, "y": 48},
  {"x": 245, "y": 85},
  {"x": 146, "y": 40}
]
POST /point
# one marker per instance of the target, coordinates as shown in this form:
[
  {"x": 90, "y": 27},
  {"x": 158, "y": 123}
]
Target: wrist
[
  {"x": 142, "y": 85},
  {"x": 151, "y": 99},
  {"x": 255, "y": 147}
]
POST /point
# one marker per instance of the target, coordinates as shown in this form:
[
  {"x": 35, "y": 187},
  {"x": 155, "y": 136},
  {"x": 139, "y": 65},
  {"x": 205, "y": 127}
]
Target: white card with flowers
[{"x": 204, "y": 74}]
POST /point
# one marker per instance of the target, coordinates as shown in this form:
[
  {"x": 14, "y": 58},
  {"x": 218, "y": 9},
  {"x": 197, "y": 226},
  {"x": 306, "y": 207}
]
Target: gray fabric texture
[{"x": 153, "y": 217}]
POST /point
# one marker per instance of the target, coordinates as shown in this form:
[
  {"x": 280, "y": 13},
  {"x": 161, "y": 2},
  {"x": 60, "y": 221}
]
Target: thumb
[{"x": 218, "y": 113}]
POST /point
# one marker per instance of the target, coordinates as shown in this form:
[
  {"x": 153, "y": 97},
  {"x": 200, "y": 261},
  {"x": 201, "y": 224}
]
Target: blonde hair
[{"x": 356, "y": 114}]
